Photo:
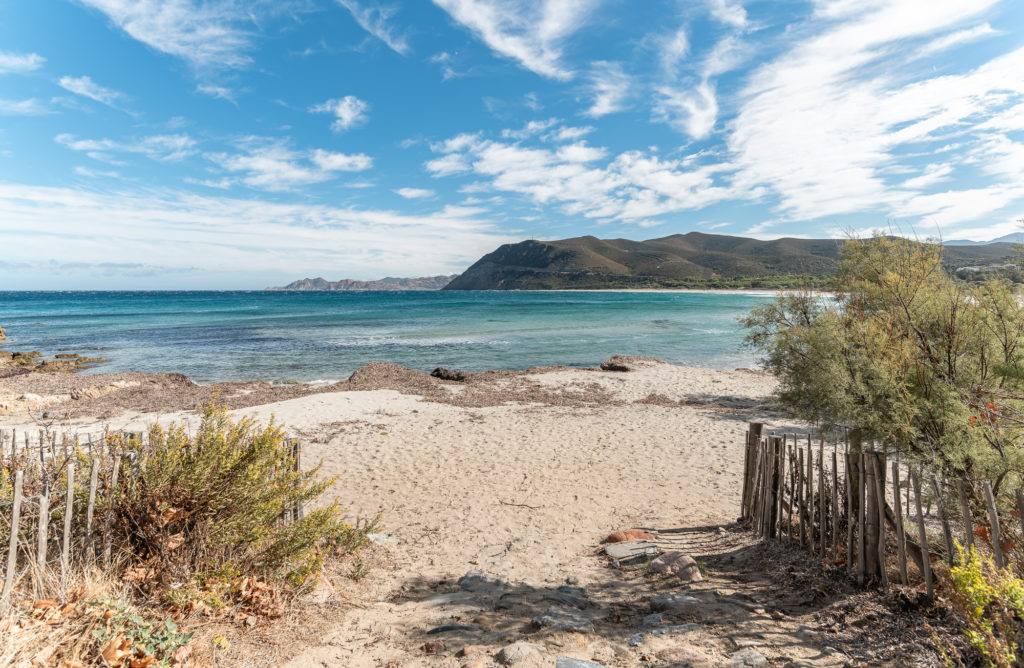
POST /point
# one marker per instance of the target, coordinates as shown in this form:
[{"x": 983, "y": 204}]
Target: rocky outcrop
[
  {"x": 32, "y": 360},
  {"x": 448, "y": 374},
  {"x": 3, "y": 334},
  {"x": 628, "y": 363}
]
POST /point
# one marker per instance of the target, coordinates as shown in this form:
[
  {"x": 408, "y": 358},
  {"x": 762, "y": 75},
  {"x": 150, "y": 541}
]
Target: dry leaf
[
  {"x": 176, "y": 541},
  {"x": 118, "y": 648},
  {"x": 181, "y": 654}
]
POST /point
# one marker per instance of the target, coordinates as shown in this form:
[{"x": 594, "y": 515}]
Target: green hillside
[{"x": 680, "y": 260}]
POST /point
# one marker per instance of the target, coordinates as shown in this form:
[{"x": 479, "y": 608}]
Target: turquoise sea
[{"x": 320, "y": 336}]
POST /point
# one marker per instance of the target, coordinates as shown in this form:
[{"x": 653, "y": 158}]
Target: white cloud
[
  {"x": 96, "y": 174},
  {"x": 341, "y": 162},
  {"x": 802, "y": 130},
  {"x": 211, "y": 33},
  {"x": 415, "y": 193},
  {"x": 158, "y": 147},
  {"x": 19, "y": 63},
  {"x": 531, "y": 129},
  {"x": 246, "y": 238},
  {"x": 531, "y": 32},
  {"x": 693, "y": 112},
  {"x": 672, "y": 50},
  {"x": 956, "y": 39},
  {"x": 272, "y": 165},
  {"x": 632, "y": 187},
  {"x": 569, "y": 133},
  {"x": 729, "y": 12},
  {"x": 220, "y": 92},
  {"x": 29, "y": 107},
  {"x": 374, "y": 18},
  {"x": 348, "y": 111},
  {"x": 88, "y": 88},
  {"x": 610, "y": 87},
  {"x": 934, "y": 173}
]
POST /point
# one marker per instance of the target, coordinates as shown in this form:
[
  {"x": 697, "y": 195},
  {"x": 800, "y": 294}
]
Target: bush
[
  {"x": 213, "y": 502},
  {"x": 992, "y": 602}
]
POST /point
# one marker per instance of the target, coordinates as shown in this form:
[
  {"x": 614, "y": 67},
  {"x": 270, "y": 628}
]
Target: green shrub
[
  {"x": 992, "y": 602},
  {"x": 213, "y": 502}
]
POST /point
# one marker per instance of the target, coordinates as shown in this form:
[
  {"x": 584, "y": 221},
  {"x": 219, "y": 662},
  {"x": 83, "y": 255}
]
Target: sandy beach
[{"x": 516, "y": 476}]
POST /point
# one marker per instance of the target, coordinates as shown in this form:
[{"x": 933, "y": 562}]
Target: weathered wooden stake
[
  {"x": 993, "y": 517},
  {"x": 800, "y": 494},
  {"x": 835, "y": 505},
  {"x": 922, "y": 536},
  {"x": 12, "y": 549},
  {"x": 849, "y": 513},
  {"x": 90, "y": 509},
  {"x": 878, "y": 465},
  {"x": 965, "y": 510},
  {"x": 822, "y": 524},
  {"x": 44, "y": 526},
  {"x": 65, "y": 553},
  {"x": 862, "y": 512},
  {"x": 810, "y": 494},
  {"x": 109, "y": 520},
  {"x": 901, "y": 538},
  {"x": 941, "y": 504}
]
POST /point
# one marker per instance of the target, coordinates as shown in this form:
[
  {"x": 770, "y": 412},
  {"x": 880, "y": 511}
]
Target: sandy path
[{"x": 524, "y": 493}]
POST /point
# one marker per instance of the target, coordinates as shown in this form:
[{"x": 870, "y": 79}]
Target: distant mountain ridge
[
  {"x": 388, "y": 283},
  {"x": 673, "y": 261}
]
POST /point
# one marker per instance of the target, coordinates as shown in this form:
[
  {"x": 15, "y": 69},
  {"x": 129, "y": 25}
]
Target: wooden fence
[
  {"x": 51, "y": 489},
  {"x": 837, "y": 501}
]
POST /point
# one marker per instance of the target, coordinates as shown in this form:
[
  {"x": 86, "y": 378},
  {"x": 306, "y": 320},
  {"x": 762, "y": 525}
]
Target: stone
[
  {"x": 475, "y": 581},
  {"x": 432, "y": 647},
  {"x": 685, "y": 656},
  {"x": 616, "y": 363},
  {"x": 446, "y": 599},
  {"x": 447, "y": 374},
  {"x": 561, "y": 618},
  {"x": 470, "y": 650},
  {"x": 3, "y": 335},
  {"x": 655, "y": 619},
  {"x": 573, "y": 596},
  {"x": 518, "y": 652},
  {"x": 680, "y": 603},
  {"x": 636, "y": 640},
  {"x": 631, "y": 551},
  {"x": 478, "y": 661},
  {"x": 569, "y": 662},
  {"x": 676, "y": 563},
  {"x": 629, "y": 534},
  {"x": 747, "y": 657}
]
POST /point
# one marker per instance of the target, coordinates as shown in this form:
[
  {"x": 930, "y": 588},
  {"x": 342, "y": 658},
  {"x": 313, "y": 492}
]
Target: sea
[{"x": 323, "y": 337}]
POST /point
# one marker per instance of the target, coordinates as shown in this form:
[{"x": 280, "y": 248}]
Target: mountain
[
  {"x": 389, "y": 283},
  {"x": 1012, "y": 238},
  {"x": 693, "y": 259}
]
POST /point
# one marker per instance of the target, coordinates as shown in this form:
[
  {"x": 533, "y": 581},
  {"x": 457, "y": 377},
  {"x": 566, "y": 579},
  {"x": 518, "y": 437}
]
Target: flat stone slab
[
  {"x": 562, "y": 618},
  {"x": 568, "y": 662},
  {"x": 475, "y": 581},
  {"x": 631, "y": 550},
  {"x": 675, "y": 630},
  {"x": 681, "y": 603}
]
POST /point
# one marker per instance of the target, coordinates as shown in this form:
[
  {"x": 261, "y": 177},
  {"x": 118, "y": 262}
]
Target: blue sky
[{"x": 237, "y": 144}]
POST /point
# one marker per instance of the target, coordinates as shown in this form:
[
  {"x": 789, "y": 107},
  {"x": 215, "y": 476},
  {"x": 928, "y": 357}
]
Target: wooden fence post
[
  {"x": 901, "y": 538},
  {"x": 862, "y": 519},
  {"x": 926, "y": 565},
  {"x": 993, "y": 517},
  {"x": 878, "y": 465},
  {"x": 810, "y": 494},
  {"x": 44, "y": 527},
  {"x": 965, "y": 510},
  {"x": 941, "y": 504},
  {"x": 835, "y": 504},
  {"x": 91, "y": 508},
  {"x": 12, "y": 549},
  {"x": 749, "y": 462},
  {"x": 109, "y": 520},
  {"x": 822, "y": 543},
  {"x": 65, "y": 553}
]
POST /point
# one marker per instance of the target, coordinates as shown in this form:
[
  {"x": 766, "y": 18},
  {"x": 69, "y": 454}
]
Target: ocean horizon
[{"x": 215, "y": 336}]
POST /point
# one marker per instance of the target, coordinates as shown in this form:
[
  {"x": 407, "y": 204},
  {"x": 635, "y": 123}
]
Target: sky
[{"x": 231, "y": 144}]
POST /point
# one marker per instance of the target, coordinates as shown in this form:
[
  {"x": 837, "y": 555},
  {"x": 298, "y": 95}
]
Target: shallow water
[{"x": 308, "y": 336}]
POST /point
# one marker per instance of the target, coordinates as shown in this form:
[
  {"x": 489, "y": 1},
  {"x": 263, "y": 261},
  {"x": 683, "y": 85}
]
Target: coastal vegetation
[
  {"x": 197, "y": 542},
  {"x": 908, "y": 359}
]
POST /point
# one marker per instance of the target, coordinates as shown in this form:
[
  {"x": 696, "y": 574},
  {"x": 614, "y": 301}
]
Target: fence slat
[
  {"x": 810, "y": 494},
  {"x": 835, "y": 504},
  {"x": 926, "y": 565},
  {"x": 822, "y": 543},
  {"x": 965, "y": 510},
  {"x": 901, "y": 537},
  {"x": 109, "y": 519},
  {"x": 12, "y": 549},
  {"x": 91, "y": 508},
  {"x": 993, "y": 518},
  {"x": 44, "y": 527},
  {"x": 877, "y": 465},
  {"x": 862, "y": 514},
  {"x": 849, "y": 512},
  {"x": 943, "y": 517},
  {"x": 65, "y": 552}
]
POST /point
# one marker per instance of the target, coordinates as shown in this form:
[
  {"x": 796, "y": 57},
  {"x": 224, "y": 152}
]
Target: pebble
[
  {"x": 562, "y": 618},
  {"x": 432, "y": 647},
  {"x": 445, "y": 599},
  {"x": 676, "y": 563},
  {"x": 475, "y": 581},
  {"x": 655, "y": 619},
  {"x": 636, "y": 640},
  {"x": 478, "y": 661},
  {"x": 572, "y": 580},
  {"x": 568, "y": 662},
  {"x": 677, "y": 629},
  {"x": 676, "y": 603},
  {"x": 747, "y": 657},
  {"x": 470, "y": 650},
  {"x": 518, "y": 652}
]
